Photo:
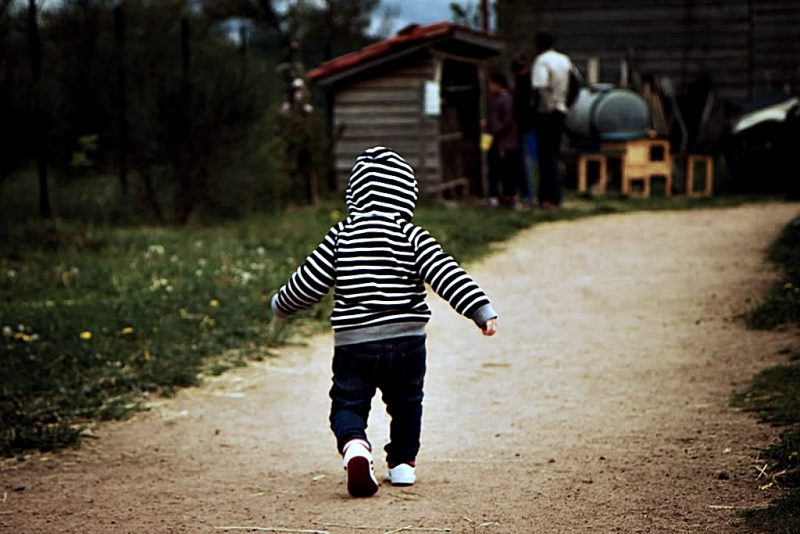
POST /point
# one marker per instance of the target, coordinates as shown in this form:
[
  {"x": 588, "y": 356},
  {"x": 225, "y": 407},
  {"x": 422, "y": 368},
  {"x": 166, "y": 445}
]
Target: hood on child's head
[{"x": 382, "y": 181}]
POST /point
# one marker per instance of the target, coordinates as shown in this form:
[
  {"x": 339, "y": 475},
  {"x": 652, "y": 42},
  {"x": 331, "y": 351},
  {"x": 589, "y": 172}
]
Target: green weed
[
  {"x": 780, "y": 517},
  {"x": 94, "y": 318},
  {"x": 774, "y": 393},
  {"x": 782, "y": 303}
]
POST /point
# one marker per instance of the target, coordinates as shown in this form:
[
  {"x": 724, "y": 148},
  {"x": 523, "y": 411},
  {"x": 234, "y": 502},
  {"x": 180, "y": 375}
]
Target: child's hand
[
  {"x": 490, "y": 327},
  {"x": 276, "y": 312}
]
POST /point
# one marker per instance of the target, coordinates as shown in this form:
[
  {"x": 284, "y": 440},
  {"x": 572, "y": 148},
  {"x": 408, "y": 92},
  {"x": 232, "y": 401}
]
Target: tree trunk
[
  {"x": 122, "y": 100},
  {"x": 150, "y": 191},
  {"x": 184, "y": 195},
  {"x": 40, "y": 135}
]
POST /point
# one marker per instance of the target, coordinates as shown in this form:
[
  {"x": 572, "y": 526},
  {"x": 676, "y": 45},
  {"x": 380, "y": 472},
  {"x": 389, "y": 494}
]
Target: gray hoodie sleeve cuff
[
  {"x": 275, "y": 310},
  {"x": 483, "y": 314}
]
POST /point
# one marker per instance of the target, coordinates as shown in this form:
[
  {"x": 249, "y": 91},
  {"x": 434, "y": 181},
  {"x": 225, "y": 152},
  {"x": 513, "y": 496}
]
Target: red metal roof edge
[{"x": 406, "y": 37}]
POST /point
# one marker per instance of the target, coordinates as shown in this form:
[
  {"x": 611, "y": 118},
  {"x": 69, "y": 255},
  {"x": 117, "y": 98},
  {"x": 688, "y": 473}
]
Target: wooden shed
[{"x": 418, "y": 92}]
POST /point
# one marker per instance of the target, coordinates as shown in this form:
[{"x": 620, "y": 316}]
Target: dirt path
[{"x": 600, "y": 406}]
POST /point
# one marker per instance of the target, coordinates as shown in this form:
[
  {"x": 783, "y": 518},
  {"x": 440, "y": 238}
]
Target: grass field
[
  {"x": 782, "y": 305},
  {"x": 774, "y": 394},
  {"x": 96, "y": 318},
  {"x": 93, "y": 317}
]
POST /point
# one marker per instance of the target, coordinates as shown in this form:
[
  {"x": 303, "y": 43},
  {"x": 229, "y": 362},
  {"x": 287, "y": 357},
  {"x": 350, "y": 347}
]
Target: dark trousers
[
  {"x": 530, "y": 162},
  {"x": 504, "y": 169},
  {"x": 549, "y": 127},
  {"x": 396, "y": 367}
]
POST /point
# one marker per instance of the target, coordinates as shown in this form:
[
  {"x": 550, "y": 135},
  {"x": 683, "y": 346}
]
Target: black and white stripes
[
  {"x": 382, "y": 181},
  {"x": 378, "y": 261}
]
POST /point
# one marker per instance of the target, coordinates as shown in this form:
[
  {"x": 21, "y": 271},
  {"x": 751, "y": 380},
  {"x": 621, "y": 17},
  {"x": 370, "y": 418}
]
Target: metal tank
[{"x": 605, "y": 112}]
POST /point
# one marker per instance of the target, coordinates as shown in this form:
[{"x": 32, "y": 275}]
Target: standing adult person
[
  {"x": 504, "y": 157},
  {"x": 550, "y": 81},
  {"x": 521, "y": 67}
]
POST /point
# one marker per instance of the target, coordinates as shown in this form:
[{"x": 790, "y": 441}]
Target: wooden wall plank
[
  {"x": 387, "y": 109},
  {"x": 731, "y": 41}
]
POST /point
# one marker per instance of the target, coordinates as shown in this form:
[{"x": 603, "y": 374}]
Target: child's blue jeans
[{"x": 396, "y": 366}]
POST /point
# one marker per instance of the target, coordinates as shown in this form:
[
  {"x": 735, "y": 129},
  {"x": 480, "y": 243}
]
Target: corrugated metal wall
[
  {"x": 746, "y": 47},
  {"x": 387, "y": 109}
]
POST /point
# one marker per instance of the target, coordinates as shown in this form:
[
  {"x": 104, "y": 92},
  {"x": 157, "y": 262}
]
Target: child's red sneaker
[{"x": 361, "y": 481}]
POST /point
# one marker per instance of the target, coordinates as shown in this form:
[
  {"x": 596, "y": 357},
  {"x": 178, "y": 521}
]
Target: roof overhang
[{"x": 453, "y": 40}]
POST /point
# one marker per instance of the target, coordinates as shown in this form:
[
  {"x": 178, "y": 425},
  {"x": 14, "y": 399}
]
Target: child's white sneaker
[
  {"x": 402, "y": 475},
  {"x": 357, "y": 462}
]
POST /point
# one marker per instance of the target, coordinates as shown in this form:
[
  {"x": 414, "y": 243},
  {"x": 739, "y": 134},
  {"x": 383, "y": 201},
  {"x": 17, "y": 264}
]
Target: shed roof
[{"x": 443, "y": 36}]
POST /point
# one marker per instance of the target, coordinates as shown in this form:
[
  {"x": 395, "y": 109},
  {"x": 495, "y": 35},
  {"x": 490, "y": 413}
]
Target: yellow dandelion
[
  {"x": 788, "y": 285},
  {"x": 128, "y": 330},
  {"x": 214, "y": 303},
  {"x": 86, "y": 335},
  {"x": 22, "y": 336},
  {"x": 147, "y": 355}
]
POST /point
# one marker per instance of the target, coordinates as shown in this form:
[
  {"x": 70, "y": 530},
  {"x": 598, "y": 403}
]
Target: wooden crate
[
  {"x": 643, "y": 160},
  {"x": 692, "y": 160},
  {"x": 602, "y": 174}
]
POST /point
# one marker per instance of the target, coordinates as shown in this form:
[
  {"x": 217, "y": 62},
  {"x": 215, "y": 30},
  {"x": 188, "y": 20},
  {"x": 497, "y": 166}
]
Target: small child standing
[{"x": 377, "y": 261}]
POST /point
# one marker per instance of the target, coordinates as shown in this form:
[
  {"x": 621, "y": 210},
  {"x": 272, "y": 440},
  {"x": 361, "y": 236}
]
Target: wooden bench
[{"x": 453, "y": 185}]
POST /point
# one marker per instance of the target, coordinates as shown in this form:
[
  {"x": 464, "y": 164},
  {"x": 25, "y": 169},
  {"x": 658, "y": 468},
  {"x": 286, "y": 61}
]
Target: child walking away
[{"x": 377, "y": 261}]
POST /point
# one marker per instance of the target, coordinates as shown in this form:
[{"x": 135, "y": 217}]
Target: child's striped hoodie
[{"x": 377, "y": 261}]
